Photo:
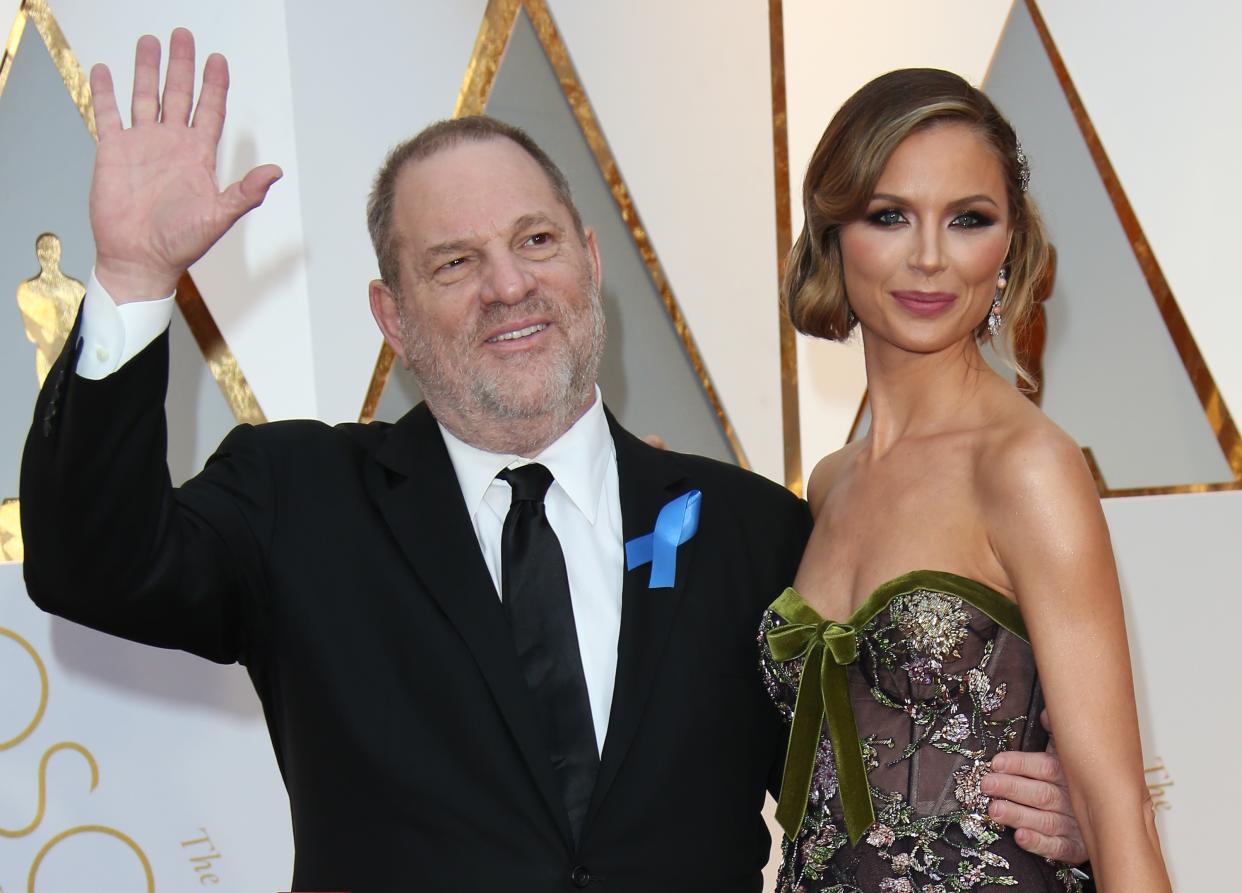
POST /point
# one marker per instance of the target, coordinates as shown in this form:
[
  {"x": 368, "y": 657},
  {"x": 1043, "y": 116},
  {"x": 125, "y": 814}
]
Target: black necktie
[{"x": 535, "y": 588}]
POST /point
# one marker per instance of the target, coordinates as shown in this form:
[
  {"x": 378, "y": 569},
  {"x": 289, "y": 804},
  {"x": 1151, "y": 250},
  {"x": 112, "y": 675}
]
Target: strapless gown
[{"x": 930, "y": 678}]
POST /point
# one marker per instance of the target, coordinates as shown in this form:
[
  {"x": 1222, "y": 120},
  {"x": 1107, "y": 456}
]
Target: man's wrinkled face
[{"x": 499, "y": 309}]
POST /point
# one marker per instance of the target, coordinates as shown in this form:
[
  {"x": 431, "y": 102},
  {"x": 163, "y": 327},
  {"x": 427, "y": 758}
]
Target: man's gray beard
[{"x": 477, "y": 397}]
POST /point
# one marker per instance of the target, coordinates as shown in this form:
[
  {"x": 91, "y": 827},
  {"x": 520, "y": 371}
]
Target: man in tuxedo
[{"x": 478, "y": 669}]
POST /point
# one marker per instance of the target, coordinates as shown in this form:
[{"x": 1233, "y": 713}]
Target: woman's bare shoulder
[
  {"x": 826, "y": 473},
  {"x": 1028, "y": 464}
]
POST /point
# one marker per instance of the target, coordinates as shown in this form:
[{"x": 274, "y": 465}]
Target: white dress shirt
[
  {"x": 584, "y": 509},
  {"x": 583, "y": 503}
]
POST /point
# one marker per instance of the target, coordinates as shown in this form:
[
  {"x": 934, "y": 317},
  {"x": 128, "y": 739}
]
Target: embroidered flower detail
[
  {"x": 896, "y": 885},
  {"x": 957, "y": 729},
  {"x": 980, "y": 685},
  {"x": 967, "y": 789},
  {"x": 880, "y": 835},
  {"x": 934, "y": 623},
  {"x": 972, "y": 826},
  {"x": 972, "y": 876},
  {"x": 901, "y": 863},
  {"x": 923, "y": 670}
]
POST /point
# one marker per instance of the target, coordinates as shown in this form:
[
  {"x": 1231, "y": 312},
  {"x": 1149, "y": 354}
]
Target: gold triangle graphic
[
  {"x": 220, "y": 360},
  {"x": 791, "y": 423},
  {"x": 495, "y": 31},
  {"x": 1200, "y": 377}
]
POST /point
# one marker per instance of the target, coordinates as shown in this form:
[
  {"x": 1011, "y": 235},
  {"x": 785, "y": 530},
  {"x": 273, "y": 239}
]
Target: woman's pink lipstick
[{"x": 925, "y": 303}]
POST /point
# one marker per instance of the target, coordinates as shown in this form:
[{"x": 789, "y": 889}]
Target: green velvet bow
[{"x": 828, "y": 648}]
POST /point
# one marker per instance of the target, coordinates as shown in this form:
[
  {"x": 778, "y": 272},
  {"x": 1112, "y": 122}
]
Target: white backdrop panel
[{"x": 1181, "y": 575}]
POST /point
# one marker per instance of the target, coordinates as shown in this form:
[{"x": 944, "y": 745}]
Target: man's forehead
[{"x": 472, "y": 188}]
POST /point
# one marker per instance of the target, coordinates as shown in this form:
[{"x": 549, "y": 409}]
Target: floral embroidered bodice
[{"x": 931, "y": 677}]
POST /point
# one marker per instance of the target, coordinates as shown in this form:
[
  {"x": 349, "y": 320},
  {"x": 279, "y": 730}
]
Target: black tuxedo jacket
[{"x": 339, "y": 565}]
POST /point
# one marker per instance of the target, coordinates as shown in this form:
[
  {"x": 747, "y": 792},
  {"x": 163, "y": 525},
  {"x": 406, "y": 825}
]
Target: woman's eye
[
  {"x": 971, "y": 220},
  {"x": 887, "y": 217}
]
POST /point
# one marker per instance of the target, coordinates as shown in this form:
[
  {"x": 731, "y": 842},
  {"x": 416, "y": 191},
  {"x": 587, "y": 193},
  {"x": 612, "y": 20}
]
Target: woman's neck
[{"x": 918, "y": 394}]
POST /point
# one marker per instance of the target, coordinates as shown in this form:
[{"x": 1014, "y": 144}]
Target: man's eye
[
  {"x": 972, "y": 220},
  {"x": 539, "y": 239},
  {"x": 886, "y": 217}
]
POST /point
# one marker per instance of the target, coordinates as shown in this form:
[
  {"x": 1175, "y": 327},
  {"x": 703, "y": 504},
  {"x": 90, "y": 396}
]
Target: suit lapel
[
  {"x": 416, "y": 489},
  {"x": 648, "y": 479}
]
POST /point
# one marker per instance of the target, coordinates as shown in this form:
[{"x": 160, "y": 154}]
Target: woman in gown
[{"x": 959, "y": 543}]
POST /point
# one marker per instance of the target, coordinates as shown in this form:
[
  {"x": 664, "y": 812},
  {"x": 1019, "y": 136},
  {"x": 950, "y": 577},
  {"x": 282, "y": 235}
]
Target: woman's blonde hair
[{"x": 842, "y": 177}]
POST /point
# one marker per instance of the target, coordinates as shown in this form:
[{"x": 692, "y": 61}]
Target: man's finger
[
  {"x": 179, "y": 81},
  {"x": 1029, "y": 792},
  {"x": 1049, "y": 824},
  {"x": 145, "y": 106},
  {"x": 1033, "y": 764},
  {"x": 103, "y": 101},
  {"x": 212, "y": 98},
  {"x": 1057, "y": 848},
  {"x": 248, "y": 193}
]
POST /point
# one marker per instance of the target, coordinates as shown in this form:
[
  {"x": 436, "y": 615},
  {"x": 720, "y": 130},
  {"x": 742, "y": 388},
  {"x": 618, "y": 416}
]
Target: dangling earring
[{"x": 994, "y": 315}]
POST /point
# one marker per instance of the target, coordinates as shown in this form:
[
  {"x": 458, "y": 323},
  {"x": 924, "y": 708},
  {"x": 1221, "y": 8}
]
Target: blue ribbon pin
[{"x": 677, "y": 522}]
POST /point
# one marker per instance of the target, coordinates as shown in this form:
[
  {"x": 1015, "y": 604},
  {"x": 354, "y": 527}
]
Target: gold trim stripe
[
  {"x": 1196, "y": 368},
  {"x": 791, "y": 424},
  {"x": 10, "y": 48},
  {"x": 489, "y": 49},
  {"x": 220, "y": 360}
]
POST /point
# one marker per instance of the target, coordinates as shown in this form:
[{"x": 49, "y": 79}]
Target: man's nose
[{"x": 507, "y": 281}]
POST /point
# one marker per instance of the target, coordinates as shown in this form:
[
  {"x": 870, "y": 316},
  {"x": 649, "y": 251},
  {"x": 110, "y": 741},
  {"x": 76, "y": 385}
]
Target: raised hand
[{"x": 156, "y": 206}]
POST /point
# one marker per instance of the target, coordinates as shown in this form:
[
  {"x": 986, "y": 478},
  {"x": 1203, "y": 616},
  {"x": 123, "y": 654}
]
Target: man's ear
[
  {"x": 386, "y": 308},
  {"x": 593, "y": 254}
]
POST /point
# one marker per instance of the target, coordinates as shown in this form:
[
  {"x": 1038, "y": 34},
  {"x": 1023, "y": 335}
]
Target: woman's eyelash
[
  {"x": 972, "y": 219},
  {"x": 886, "y": 217}
]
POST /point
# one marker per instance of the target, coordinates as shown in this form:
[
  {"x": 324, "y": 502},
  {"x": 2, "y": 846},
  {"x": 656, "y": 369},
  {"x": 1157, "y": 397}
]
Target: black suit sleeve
[{"x": 111, "y": 544}]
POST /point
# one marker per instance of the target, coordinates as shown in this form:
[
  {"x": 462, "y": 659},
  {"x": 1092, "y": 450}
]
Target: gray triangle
[{"x": 1113, "y": 376}]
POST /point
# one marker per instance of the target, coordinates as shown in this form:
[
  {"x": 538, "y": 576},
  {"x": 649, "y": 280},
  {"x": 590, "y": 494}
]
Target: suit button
[{"x": 580, "y": 876}]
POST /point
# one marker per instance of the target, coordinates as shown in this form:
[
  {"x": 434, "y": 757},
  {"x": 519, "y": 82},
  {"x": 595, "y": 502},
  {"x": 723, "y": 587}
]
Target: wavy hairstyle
[{"x": 842, "y": 177}]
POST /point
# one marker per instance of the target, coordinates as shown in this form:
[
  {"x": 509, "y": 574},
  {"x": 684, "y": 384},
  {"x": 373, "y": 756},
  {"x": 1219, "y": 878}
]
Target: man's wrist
[{"x": 125, "y": 283}]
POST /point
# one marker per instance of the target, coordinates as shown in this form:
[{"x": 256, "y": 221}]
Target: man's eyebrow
[
  {"x": 527, "y": 221},
  {"x": 452, "y": 246},
  {"x": 967, "y": 200}
]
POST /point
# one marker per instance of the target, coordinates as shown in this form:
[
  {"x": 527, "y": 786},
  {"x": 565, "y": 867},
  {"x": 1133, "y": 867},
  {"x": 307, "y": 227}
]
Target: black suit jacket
[{"x": 339, "y": 565}]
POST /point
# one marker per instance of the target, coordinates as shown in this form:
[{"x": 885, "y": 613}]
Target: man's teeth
[{"x": 520, "y": 333}]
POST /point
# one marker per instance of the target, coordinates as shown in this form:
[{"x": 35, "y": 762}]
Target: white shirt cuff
[{"x": 113, "y": 334}]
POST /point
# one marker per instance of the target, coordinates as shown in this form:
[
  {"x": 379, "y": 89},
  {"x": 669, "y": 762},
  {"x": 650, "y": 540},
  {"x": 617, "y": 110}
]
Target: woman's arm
[{"x": 1049, "y": 534}]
